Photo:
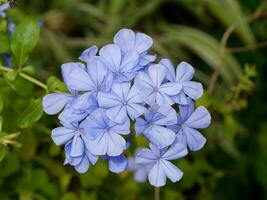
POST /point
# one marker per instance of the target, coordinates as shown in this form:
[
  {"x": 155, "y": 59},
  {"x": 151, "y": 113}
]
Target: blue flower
[
  {"x": 82, "y": 161},
  {"x": 128, "y": 41},
  {"x": 140, "y": 170},
  {"x": 184, "y": 75},
  {"x": 121, "y": 101},
  {"x": 153, "y": 126},
  {"x": 160, "y": 161},
  {"x": 154, "y": 89},
  {"x": 3, "y": 8},
  {"x": 122, "y": 67},
  {"x": 188, "y": 121},
  {"x": 103, "y": 136}
]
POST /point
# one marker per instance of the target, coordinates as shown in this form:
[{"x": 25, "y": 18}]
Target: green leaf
[
  {"x": 11, "y": 76},
  {"x": 29, "y": 70},
  {"x": 21, "y": 86},
  {"x": 53, "y": 83},
  {"x": 10, "y": 165},
  {"x": 23, "y": 40},
  {"x": 4, "y": 47},
  {"x": 31, "y": 114}
]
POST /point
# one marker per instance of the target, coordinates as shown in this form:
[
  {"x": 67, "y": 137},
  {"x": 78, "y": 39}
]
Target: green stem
[
  {"x": 26, "y": 77},
  {"x": 157, "y": 193}
]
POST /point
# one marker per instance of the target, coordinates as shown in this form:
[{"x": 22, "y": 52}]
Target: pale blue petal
[
  {"x": 169, "y": 113},
  {"x": 142, "y": 80},
  {"x": 176, "y": 151},
  {"x": 195, "y": 140},
  {"x": 108, "y": 99},
  {"x": 88, "y": 53},
  {"x": 140, "y": 175},
  {"x": 159, "y": 136},
  {"x": 157, "y": 74},
  {"x": 171, "y": 171},
  {"x": 186, "y": 110},
  {"x": 62, "y": 135},
  {"x": 157, "y": 176},
  {"x": 129, "y": 61},
  {"x": 117, "y": 114},
  {"x": 155, "y": 150},
  {"x": 142, "y": 42},
  {"x": 92, "y": 158},
  {"x": 86, "y": 101},
  {"x": 71, "y": 160},
  {"x": 121, "y": 90},
  {"x": 98, "y": 146},
  {"x": 55, "y": 102},
  {"x": 193, "y": 89},
  {"x": 170, "y": 88},
  {"x": 77, "y": 147},
  {"x": 184, "y": 72},
  {"x": 125, "y": 39},
  {"x": 144, "y": 60},
  {"x": 140, "y": 126},
  {"x": 135, "y": 110},
  {"x": 163, "y": 99},
  {"x": 145, "y": 156},
  {"x": 67, "y": 69},
  {"x": 116, "y": 144},
  {"x": 111, "y": 55},
  {"x": 200, "y": 118},
  {"x": 118, "y": 164},
  {"x": 181, "y": 98},
  {"x": 122, "y": 129},
  {"x": 83, "y": 166},
  {"x": 170, "y": 69},
  {"x": 134, "y": 95}
]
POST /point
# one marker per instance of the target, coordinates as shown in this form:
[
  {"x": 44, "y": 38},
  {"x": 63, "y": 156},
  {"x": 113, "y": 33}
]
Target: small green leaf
[
  {"x": 54, "y": 83},
  {"x": 29, "y": 70},
  {"x": 4, "y": 47},
  {"x": 3, "y": 26},
  {"x": 1, "y": 103},
  {"x": 23, "y": 40},
  {"x": 3, "y": 151},
  {"x": 11, "y": 76},
  {"x": 31, "y": 114},
  {"x": 21, "y": 86}
]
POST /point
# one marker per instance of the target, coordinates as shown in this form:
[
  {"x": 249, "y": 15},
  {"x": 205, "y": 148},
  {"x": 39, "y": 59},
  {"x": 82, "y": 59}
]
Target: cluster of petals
[{"x": 118, "y": 92}]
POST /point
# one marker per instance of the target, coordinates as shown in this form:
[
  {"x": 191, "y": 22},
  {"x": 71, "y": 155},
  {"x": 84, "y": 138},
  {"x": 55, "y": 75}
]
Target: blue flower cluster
[{"x": 119, "y": 91}]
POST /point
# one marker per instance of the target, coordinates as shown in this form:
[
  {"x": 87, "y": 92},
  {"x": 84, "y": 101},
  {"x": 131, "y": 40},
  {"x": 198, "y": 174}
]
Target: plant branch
[
  {"x": 156, "y": 193},
  {"x": 26, "y": 77}
]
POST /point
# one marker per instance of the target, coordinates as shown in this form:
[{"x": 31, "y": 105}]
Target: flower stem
[
  {"x": 156, "y": 193},
  {"x": 26, "y": 77}
]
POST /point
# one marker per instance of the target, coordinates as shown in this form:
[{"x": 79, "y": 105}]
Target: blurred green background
[{"x": 223, "y": 39}]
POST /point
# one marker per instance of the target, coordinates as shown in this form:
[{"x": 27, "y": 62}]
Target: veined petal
[
  {"x": 186, "y": 110},
  {"x": 118, "y": 164},
  {"x": 86, "y": 101},
  {"x": 181, "y": 98},
  {"x": 200, "y": 118},
  {"x": 125, "y": 39},
  {"x": 55, "y": 102},
  {"x": 135, "y": 110},
  {"x": 83, "y": 166},
  {"x": 142, "y": 42},
  {"x": 184, "y": 72},
  {"x": 117, "y": 114},
  {"x": 157, "y": 74},
  {"x": 129, "y": 61},
  {"x": 195, "y": 140},
  {"x": 176, "y": 151},
  {"x": 111, "y": 55},
  {"x": 134, "y": 95},
  {"x": 171, "y": 171},
  {"x": 159, "y": 136},
  {"x": 157, "y": 176},
  {"x": 169, "y": 113},
  {"x": 170, "y": 69},
  {"x": 108, "y": 99},
  {"x": 171, "y": 88},
  {"x": 140, "y": 126},
  {"x": 62, "y": 135},
  {"x": 121, "y": 90},
  {"x": 193, "y": 89},
  {"x": 92, "y": 158},
  {"x": 116, "y": 144},
  {"x": 122, "y": 129},
  {"x": 88, "y": 53},
  {"x": 98, "y": 146},
  {"x": 77, "y": 146},
  {"x": 142, "y": 80},
  {"x": 145, "y": 156}
]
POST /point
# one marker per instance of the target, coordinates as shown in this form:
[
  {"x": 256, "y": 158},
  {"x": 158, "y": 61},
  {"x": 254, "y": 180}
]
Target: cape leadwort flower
[{"x": 118, "y": 91}]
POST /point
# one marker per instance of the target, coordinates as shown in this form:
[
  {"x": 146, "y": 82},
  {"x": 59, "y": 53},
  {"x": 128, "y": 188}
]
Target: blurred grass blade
[
  {"x": 207, "y": 48},
  {"x": 229, "y": 12}
]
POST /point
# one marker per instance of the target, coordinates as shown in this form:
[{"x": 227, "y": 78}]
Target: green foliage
[
  {"x": 233, "y": 163},
  {"x": 23, "y": 40}
]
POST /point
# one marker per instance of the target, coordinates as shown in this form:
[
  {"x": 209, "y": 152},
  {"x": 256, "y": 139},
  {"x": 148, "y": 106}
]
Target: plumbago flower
[{"x": 118, "y": 92}]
